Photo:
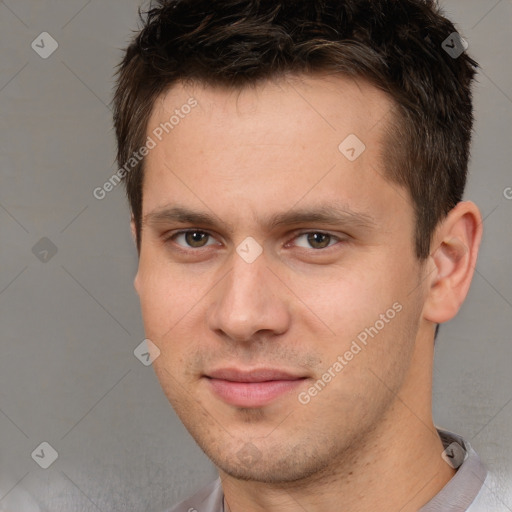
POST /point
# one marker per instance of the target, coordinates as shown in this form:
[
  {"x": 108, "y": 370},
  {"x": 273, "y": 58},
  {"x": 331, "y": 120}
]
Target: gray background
[{"x": 70, "y": 321}]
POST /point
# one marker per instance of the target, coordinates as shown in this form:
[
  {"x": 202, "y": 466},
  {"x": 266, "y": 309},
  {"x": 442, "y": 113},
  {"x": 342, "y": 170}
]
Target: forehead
[
  {"x": 317, "y": 98},
  {"x": 268, "y": 146}
]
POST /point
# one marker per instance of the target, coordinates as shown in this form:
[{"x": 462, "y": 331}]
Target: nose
[{"x": 249, "y": 302}]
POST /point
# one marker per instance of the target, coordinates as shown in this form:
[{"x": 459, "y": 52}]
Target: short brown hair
[{"x": 398, "y": 46}]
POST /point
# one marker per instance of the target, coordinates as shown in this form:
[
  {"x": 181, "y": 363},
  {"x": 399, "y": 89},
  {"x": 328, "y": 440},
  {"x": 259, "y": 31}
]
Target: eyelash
[{"x": 170, "y": 238}]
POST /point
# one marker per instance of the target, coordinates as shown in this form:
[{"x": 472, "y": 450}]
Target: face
[{"x": 277, "y": 274}]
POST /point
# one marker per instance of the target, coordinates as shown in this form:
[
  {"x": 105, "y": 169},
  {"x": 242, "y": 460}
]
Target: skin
[{"x": 367, "y": 439}]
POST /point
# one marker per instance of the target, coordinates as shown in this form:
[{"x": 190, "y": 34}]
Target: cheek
[
  {"x": 348, "y": 301},
  {"x": 371, "y": 315},
  {"x": 172, "y": 302},
  {"x": 369, "y": 361},
  {"x": 163, "y": 295}
]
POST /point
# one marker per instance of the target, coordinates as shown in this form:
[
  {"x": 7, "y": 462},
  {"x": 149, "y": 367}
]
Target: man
[{"x": 295, "y": 172}]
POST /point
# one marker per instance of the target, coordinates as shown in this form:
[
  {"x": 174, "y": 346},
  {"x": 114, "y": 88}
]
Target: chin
[{"x": 271, "y": 465}]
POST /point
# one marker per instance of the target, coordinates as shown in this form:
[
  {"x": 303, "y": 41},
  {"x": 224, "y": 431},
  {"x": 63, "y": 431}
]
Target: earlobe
[
  {"x": 456, "y": 244},
  {"x": 136, "y": 283}
]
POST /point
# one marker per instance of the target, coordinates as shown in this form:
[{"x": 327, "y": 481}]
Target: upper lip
[{"x": 256, "y": 375}]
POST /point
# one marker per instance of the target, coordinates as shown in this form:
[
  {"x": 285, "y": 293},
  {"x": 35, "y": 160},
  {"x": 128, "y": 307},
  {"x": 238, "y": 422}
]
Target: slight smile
[{"x": 252, "y": 388}]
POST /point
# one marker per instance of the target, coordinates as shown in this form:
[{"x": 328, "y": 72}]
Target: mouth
[{"x": 252, "y": 388}]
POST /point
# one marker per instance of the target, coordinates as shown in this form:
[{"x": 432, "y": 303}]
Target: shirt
[{"x": 471, "y": 489}]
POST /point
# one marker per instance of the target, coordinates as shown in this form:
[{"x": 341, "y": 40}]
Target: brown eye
[
  {"x": 196, "y": 238},
  {"x": 191, "y": 239},
  {"x": 318, "y": 240},
  {"x": 315, "y": 240}
]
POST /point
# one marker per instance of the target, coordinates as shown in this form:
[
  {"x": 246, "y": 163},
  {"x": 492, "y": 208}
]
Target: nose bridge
[
  {"x": 243, "y": 292},
  {"x": 246, "y": 301}
]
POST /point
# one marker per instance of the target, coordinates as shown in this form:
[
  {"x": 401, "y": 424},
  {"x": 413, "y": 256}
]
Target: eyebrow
[{"x": 332, "y": 214}]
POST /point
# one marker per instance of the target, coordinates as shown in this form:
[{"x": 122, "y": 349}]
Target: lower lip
[{"x": 252, "y": 394}]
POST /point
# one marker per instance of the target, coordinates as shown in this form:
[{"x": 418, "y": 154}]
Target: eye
[
  {"x": 316, "y": 240},
  {"x": 197, "y": 239},
  {"x": 192, "y": 238}
]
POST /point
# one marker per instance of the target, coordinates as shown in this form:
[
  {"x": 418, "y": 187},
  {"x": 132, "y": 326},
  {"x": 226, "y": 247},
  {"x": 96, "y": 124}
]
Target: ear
[
  {"x": 453, "y": 260},
  {"x": 133, "y": 229},
  {"x": 134, "y": 236}
]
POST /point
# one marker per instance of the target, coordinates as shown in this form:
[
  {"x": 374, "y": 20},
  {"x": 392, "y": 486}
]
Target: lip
[{"x": 252, "y": 388}]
